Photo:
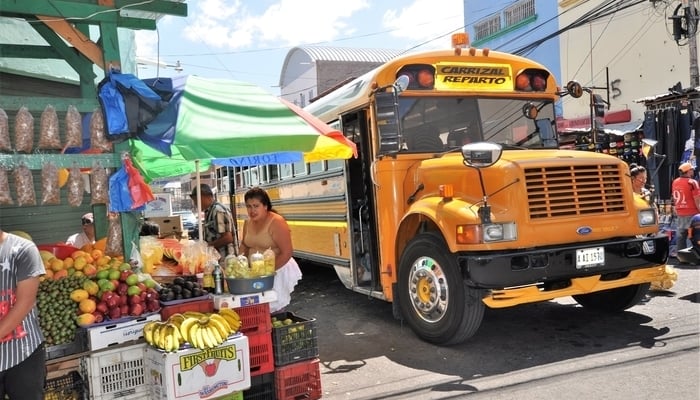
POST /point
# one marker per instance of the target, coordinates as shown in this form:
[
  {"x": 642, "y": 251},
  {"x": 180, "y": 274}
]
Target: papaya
[
  {"x": 79, "y": 295},
  {"x": 85, "y": 319}
]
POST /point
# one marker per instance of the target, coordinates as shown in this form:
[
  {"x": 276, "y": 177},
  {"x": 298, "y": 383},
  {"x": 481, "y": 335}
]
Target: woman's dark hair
[
  {"x": 261, "y": 195},
  {"x": 150, "y": 229},
  {"x": 636, "y": 170}
]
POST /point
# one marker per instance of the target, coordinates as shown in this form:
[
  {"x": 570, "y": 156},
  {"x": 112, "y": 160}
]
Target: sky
[{"x": 249, "y": 40}]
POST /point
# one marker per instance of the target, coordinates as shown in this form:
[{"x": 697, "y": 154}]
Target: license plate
[{"x": 591, "y": 257}]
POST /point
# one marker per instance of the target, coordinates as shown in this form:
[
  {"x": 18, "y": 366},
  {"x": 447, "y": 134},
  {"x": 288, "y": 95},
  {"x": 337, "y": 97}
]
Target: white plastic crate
[{"x": 117, "y": 373}]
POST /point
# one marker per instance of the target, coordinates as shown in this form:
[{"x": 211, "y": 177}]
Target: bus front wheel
[{"x": 434, "y": 299}]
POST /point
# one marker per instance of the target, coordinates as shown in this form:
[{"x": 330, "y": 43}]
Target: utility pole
[{"x": 692, "y": 25}]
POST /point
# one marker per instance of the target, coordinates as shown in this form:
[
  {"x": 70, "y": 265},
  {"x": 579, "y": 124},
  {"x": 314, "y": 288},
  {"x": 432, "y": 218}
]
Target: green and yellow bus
[{"x": 460, "y": 198}]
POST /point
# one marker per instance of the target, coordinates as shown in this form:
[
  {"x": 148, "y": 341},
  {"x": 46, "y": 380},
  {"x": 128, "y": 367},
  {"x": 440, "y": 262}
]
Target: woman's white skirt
[{"x": 286, "y": 278}]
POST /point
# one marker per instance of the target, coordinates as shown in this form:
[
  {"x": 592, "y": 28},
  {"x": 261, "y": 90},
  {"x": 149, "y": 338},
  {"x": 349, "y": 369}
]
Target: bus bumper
[{"x": 552, "y": 268}]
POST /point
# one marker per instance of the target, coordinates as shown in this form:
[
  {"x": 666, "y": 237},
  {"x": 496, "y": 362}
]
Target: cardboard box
[
  {"x": 242, "y": 300},
  {"x": 160, "y": 206},
  {"x": 169, "y": 226},
  {"x": 103, "y": 336},
  {"x": 194, "y": 374}
]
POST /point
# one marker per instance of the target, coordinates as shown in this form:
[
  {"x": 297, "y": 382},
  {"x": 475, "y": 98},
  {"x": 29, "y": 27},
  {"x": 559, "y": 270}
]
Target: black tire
[
  {"x": 613, "y": 300},
  {"x": 455, "y": 312}
]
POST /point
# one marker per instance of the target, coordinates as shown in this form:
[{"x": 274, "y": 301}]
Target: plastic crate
[
  {"x": 261, "y": 356},
  {"x": 204, "y": 305},
  {"x": 262, "y": 387},
  {"x": 66, "y": 387},
  {"x": 297, "y": 381},
  {"x": 294, "y": 342},
  {"x": 78, "y": 345},
  {"x": 255, "y": 319},
  {"x": 116, "y": 373}
]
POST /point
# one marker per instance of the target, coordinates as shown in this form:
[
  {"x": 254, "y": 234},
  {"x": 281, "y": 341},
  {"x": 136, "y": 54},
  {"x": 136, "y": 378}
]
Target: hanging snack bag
[
  {"x": 24, "y": 130},
  {"x": 49, "y": 135},
  {"x": 5, "y": 196},
  {"x": 50, "y": 193},
  {"x": 24, "y": 183},
  {"x": 115, "y": 245},
  {"x": 98, "y": 138},
  {"x": 5, "y": 144},
  {"x": 99, "y": 184},
  {"x": 74, "y": 127},
  {"x": 76, "y": 187}
]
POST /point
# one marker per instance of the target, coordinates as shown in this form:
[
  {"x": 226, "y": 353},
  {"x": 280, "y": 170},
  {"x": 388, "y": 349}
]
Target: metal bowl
[{"x": 250, "y": 285}]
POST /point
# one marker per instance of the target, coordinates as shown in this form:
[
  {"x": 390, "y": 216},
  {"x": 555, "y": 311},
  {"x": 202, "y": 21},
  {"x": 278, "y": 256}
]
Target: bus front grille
[{"x": 574, "y": 190}]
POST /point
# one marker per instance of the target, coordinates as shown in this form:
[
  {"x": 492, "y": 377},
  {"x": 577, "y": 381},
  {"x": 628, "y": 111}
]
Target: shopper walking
[{"x": 686, "y": 201}]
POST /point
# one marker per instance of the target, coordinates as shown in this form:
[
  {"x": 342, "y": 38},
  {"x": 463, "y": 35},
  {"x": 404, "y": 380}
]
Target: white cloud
[
  {"x": 424, "y": 21},
  {"x": 233, "y": 25}
]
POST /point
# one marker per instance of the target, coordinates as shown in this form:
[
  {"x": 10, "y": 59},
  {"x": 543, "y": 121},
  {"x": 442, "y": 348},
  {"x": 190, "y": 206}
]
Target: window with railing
[
  {"x": 518, "y": 12},
  {"x": 487, "y": 26}
]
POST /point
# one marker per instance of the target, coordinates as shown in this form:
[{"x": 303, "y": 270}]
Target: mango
[
  {"x": 85, "y": 319},
  {"x": 87, "y": 306},
  {"x": 91, "y": 287},
  {"x": 79, "y": 295},
  {"x": 46, "y": 255}
]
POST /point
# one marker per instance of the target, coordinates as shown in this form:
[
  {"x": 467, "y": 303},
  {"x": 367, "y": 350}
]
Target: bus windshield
[{"x": 435, "y": 124}]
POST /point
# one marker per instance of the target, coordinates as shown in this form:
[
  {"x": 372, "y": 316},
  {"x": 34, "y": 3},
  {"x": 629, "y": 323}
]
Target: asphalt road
[{"x": 552, "y": 350}]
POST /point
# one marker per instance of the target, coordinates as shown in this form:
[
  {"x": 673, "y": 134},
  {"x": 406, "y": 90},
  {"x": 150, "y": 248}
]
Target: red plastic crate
[
  {"x": 255, "y": 318},
  {"x": 261, "y": 355},
  {"x": 262, "y": 387},
  {"x": 205, "y": 305},
  {"x": 300, "y": 380}
]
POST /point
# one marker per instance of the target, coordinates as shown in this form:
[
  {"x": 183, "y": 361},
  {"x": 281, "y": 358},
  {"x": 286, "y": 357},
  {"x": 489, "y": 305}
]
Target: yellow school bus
[{"x": 460, "y": 198}]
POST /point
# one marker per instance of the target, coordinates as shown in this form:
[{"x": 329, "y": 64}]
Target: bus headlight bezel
[
  {"x": 647, "y": 217},
  {"x": 500, "y": 232}
]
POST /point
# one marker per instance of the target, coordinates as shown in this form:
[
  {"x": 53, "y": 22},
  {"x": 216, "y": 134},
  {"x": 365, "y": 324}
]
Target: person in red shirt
[{"x": 686, "y": 201}]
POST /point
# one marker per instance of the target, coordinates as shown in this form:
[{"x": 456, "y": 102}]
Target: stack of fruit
[
  {"x": 200, "y": 330},
  {"x": 56, "y": 309},
  {"x": 181, "y": 289},
  {"x": 115, "y": 293}
]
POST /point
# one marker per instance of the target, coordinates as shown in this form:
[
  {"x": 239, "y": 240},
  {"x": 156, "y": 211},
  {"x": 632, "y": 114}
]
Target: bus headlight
[
  {"x": 647, "y": 217},
  {"x": 500, "y": 232}
]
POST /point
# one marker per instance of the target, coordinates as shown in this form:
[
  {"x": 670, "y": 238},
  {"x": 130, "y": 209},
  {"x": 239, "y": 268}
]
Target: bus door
[{"x": 361, "y": 205}]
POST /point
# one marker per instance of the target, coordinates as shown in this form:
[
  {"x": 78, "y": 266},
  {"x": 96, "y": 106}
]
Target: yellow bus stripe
[{"x": 325, "y": 224}]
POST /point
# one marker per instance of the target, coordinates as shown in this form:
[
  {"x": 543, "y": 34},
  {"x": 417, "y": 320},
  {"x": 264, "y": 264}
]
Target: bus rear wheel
[
  {"x": 613, "y": 300},
  {"x": 434, "y": 299}
]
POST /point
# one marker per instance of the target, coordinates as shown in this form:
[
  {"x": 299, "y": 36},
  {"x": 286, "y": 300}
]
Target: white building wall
[{"x": 636, "y": 45}]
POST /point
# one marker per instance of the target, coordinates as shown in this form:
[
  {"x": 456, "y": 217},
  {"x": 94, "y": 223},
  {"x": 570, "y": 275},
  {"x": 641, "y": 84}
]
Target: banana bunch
[
  {"x": 665, "y": 281},
  {"x": 163, "y": 335}
]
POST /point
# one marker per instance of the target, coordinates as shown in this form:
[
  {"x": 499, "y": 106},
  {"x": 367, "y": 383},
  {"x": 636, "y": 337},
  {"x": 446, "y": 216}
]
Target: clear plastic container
[
  {"x": 257, "y": 264},
  {"x": 269, "y": 258}
]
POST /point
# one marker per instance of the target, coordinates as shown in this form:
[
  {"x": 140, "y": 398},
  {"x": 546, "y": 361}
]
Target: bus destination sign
[{"x": 473, "y": 76}]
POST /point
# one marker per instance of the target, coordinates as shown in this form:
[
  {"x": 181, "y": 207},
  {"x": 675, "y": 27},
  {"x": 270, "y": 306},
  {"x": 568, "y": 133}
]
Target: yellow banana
[
  {"x": 185, "y": 328},
  {"x": 207, "y": 335},
  {"x": 195, "y": 314},
  {"x": 162, "y": 335},
  {"x": 168, "y": 338},
  {"x": 233, "y": 319},
  {"x": 221, "y": 325},
  {"x": 230, "y": 312},
  {"x": 216, "y": 332},
  {"x": 148, "y": 331},
  {"x": 194, "y": 338}
]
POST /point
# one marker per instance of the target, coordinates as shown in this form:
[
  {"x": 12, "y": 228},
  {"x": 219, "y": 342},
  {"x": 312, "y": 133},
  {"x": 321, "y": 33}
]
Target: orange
[
  {"x": 49, "y": 274},
  {"x": 87, "y": 248},
  {"x": 102, "y": 261},
  {"x": 80, "y": 262},
  {"x": 89, "y": 259},
  {"x": 77, "y": 254},
  {"x": 68, "y": 262}
]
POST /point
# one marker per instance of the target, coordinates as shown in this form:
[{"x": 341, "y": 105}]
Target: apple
[
  {"x": 142, "y": 286},
  {"x": 124, "y": 275},
  {"x": 115, "y": 283},
  {"x": 122, "y": 299},
  {"x": 143, "y": 296},
  {"x": 106, "y": 295},
  {"x": 112, "y": 302},
  {"x": 152, "y": 305},
  {"x": 134, "y": 299},
  {"x": 136, "y": 309},
  {"x": 99, "y": 317},
  {"x": 115, "y": 313},
  {"x": 124, "y": 309},
  {"x": 101, "y": 307},
  {"x": 122, "y": 288}
]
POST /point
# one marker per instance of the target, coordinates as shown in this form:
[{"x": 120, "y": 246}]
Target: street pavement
[{"x": 550, "y": 350}]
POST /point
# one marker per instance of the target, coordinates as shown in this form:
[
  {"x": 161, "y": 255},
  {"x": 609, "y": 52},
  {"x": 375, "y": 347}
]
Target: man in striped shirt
[{"x": 22, "y": 353}]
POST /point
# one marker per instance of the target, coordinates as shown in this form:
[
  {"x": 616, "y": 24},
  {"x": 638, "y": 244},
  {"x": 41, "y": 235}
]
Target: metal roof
[
  {"x": 318, "y": 53},
  {"x": 340, "y": 54}
]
